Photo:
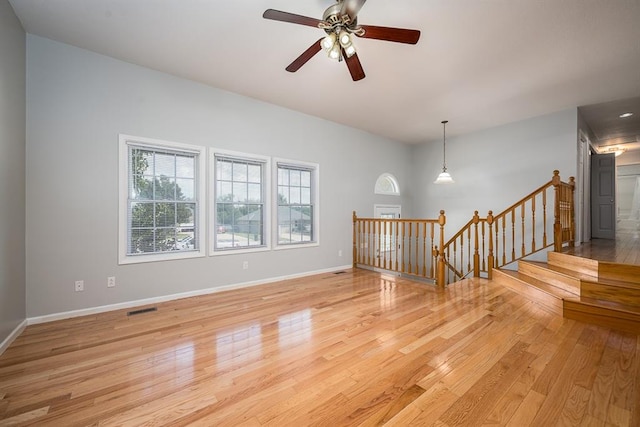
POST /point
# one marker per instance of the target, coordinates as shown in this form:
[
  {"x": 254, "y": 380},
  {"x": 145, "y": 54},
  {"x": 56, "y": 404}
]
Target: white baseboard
[
  {"x": 129, "y": 304},
  {"x": 12, "y": 336}
]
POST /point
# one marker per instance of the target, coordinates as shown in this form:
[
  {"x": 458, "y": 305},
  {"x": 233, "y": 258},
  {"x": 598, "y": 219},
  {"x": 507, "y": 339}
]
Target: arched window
[{"x": 387, "y": 184}]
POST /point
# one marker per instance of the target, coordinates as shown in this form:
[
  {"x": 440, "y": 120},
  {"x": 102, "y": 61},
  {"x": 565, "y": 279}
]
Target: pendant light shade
[{"x": 444, "y": 177}]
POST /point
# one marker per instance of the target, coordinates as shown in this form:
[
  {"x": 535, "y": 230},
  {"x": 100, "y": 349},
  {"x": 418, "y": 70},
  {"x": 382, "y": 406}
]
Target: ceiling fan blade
[
  {"x": 354, "y": 65},
  {"x": 278, "y": 15},
  {"x": 398, "y": 35},
  {"x": 306, "y": 56},
  {"x": 351, "y": 7}
]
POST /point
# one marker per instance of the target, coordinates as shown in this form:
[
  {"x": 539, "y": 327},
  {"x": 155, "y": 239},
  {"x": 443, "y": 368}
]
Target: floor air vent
[
  {"x": 340, "y": 272},
  {"x": 142, "y": 310}
]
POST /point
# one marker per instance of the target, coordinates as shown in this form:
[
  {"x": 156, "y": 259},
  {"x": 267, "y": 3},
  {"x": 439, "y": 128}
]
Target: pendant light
[{"x": 444, "y": 177}]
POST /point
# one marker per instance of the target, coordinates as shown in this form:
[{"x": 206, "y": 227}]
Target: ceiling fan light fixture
[
  {"x": 345, "y": 39},
  {"x": 329, "y": 41},
  {"x": 334, "y": 53},
  {"x": 350, "y": 50}
]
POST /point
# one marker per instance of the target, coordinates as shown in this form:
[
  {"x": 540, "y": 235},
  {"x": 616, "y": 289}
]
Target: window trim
[
  {"x": 266, "y": 161},
  {"x": 126, "y": 141},
  {"x": 315, "y": 200},
  {"x": 394, "y": 183}
]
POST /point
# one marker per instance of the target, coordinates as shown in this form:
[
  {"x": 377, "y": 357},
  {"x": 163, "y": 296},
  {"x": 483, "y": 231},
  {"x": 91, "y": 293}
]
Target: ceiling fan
[{"x": 340, "y": 23}]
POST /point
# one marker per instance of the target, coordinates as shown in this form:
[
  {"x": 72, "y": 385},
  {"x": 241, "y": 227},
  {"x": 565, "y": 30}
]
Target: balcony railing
[{"x": 416, "y": 247}]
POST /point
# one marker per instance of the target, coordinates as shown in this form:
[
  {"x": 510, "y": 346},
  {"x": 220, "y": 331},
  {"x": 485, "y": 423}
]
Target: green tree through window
[{"x": 161, "y": 203}]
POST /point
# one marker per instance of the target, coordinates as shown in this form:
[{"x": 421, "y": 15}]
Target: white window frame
[
  {"x": 266, "y": 161},
  {"x": 315, "y": 200},
  {"x": 390, "y": 178},
  {"x": 126, "y": 141}
]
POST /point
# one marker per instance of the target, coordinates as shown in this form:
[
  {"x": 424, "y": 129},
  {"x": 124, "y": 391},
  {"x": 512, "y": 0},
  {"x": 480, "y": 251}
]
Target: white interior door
[{"x": 386, "y": 248}]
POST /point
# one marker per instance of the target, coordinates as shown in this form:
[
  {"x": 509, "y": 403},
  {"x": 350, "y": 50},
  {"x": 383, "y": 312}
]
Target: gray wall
[
  {"x": 494, "y": 168},
  {"x": 12, "y": 171},
  {"x": 77, "y": 104}
]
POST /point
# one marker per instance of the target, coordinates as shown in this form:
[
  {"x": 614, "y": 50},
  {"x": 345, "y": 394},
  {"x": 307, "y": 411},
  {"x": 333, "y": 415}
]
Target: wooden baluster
[
  {"x": 424, "y": 250},
  {"x": 417, "y": 248},
  {"x": 533, "y": 224},
  {"x": 544, "y": 218},
  {"x": 572, "y": 212},
  {"x": 523, "y": 235},
  {"x": 513, "y": 234},
  {"x": 410, "y": 236},
  {"x": 432, "y": 272},
  {"x": 379, "y": 239},
  {"x": 354, "y": 254},
  {"x": 469, "y": 258},
  {"x": 362, "y": 245},
  {"x": 440, "y": 281},
  {"x": 557, "y": 226},
  {"x": 365, "y": 243},
  {"x": 476, "y": 255},
  {"x": 396, "y": 246},
  {"x": 490, "y": 258},
  {"x": 370, "y": 245},
  {"x": 455, "y": 256},
  {"x": 504, "y": 240},
  {"x": 384, "y": 242},
  {"x": 482, "y": 230},
  {"x": 402, "y": 257}
]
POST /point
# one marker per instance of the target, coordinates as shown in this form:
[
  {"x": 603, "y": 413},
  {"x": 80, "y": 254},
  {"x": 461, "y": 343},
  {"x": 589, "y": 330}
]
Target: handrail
[
  {"x": 406, "y": 246},
  {"x": 417, "y": 247},
  {"x": 514, "y": 233}
]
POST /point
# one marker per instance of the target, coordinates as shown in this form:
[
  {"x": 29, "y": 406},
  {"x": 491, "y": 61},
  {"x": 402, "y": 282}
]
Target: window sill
[
  {"x": 233, "y": 251},
  {"x": 139, "y": 259},
  {"x": 296, "y": 246}
]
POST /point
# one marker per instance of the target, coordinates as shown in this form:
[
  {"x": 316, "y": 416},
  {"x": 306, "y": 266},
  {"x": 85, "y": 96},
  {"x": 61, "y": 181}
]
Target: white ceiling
[{"x": 478, "y": 64}]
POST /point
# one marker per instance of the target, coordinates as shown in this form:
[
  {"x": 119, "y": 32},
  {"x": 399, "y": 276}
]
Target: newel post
[
  {"x": 557, "y": 226},
  {"x": 355, "y": 247},
  {"x": 476, "y": 253},
  {"x": 490, "y": 258},
  {"x": 440, "y": 278}
]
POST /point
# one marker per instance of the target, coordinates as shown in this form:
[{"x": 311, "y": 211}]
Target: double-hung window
[
  {"x": 297, "y": 203},
  {"x": 161, "y": 200},
  {"x": 240, "y": 202}
]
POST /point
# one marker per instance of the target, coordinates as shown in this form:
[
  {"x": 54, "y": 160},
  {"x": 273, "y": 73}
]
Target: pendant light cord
[{"x": 444, "y": 145}]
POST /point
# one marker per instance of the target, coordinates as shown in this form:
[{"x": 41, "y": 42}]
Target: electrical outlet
[
  {"x": 340, "y": 252},
  {"x": 111, "y": 282},
  {"x": 245, "y": 265},
  {"x": 79, "y": 285}
]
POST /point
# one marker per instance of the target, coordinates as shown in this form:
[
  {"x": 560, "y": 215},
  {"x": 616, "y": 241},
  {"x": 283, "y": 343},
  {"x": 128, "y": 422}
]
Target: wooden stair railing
[
  {"x": 416, "y": 247},
  {"x": 407, "y": 246},
  {"x": 521, "y": 230}
]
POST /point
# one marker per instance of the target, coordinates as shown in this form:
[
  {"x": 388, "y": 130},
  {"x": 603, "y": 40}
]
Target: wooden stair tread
[
  {"x": 610, "y": 305},
  {"x": 585, "y": 277},
  {"x": 573, "y": 262},
  {"x": 541, "y": 285},
  {"x": 564, "y": 271}
]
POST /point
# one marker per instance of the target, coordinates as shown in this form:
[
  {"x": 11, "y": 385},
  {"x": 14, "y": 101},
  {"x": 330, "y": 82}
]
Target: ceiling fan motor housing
[{"x": 333, "y": 20}]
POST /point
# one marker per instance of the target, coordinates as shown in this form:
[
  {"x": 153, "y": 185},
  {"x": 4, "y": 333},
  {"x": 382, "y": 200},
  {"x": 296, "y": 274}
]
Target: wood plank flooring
[
  {"x": 624, "y": 249},
  {"x": 350, "y": 349}
]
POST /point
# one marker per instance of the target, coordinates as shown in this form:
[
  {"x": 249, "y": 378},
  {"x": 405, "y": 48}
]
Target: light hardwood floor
[
  {"x": 625, "y": 249},
  {"x": 355, "y": 348}
]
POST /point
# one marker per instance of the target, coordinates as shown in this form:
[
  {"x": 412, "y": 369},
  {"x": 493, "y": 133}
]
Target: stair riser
[
  {"x": 624, "y": 272},
  {"x": 569, "y": 284},
  {"x": 602, "y": 316},
  {"x": 551, "y": 303},
  {"x": 573, "y": 263},
  {"x": 623, "y": 295}
]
